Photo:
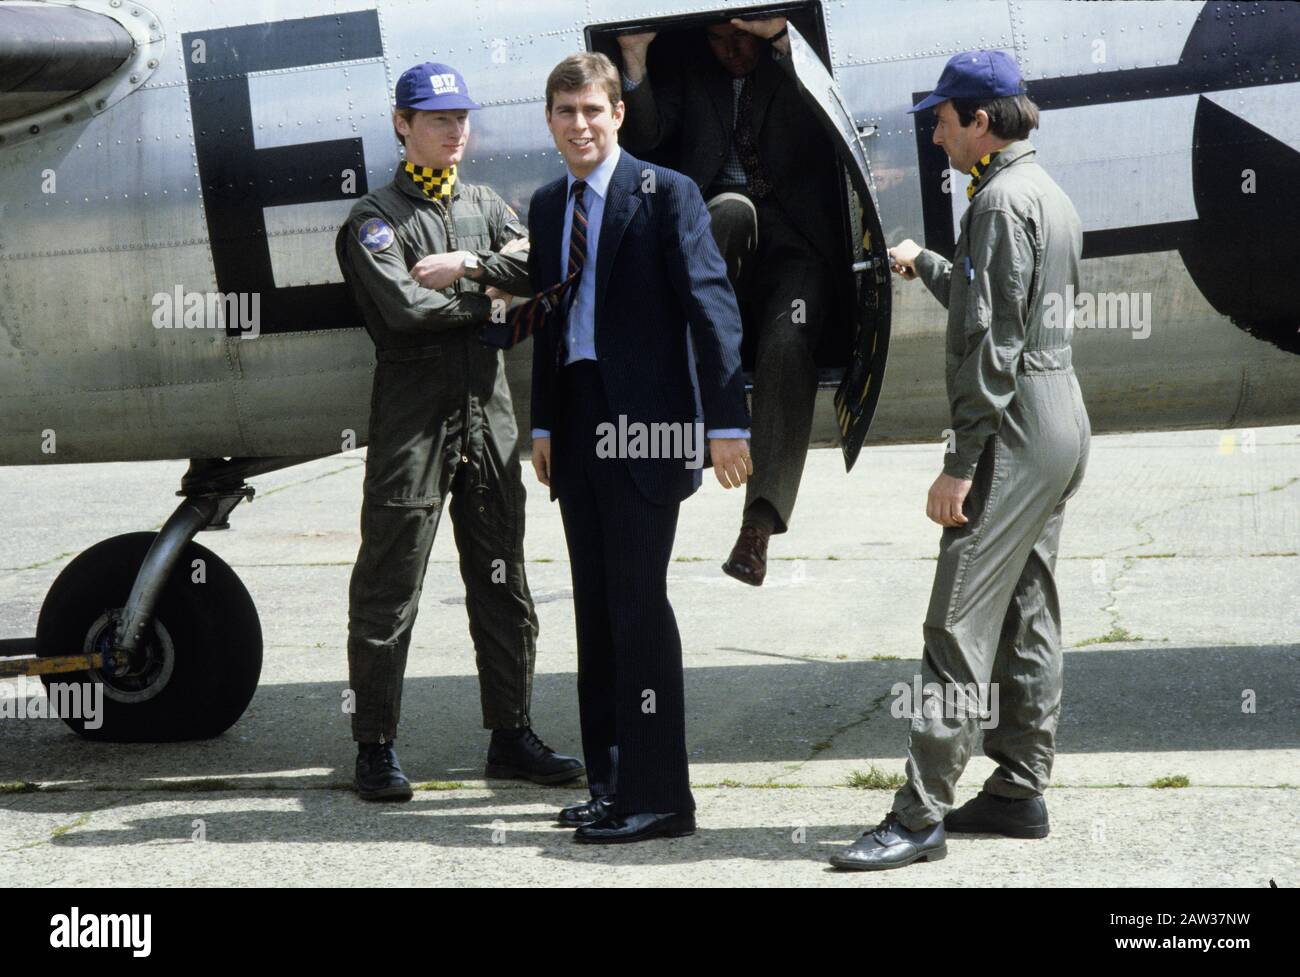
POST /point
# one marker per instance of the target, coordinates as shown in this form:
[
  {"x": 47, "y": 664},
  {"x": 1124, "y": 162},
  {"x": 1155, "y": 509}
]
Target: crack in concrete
[
  {"x": 360, "y": 463},
  {"x": 1117, "y": 631},
  {"x": 829, "y": 740},
  {"x": 40, "y": 564},
  {"x": 58, "y": 832},
  {"x": 773, "y": 654},
  {"x": 1111, "y": 609},
  {"x": 1140, "y": 525}
]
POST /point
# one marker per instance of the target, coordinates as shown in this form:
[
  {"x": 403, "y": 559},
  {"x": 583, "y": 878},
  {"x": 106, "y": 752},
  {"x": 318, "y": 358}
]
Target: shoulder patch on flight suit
[{"x": 376, "y": 236}]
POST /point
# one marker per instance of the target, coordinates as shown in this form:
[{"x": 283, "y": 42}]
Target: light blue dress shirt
[{"x": 580, "y": 327}]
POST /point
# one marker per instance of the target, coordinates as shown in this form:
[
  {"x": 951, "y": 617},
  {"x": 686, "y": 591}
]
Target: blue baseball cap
[
  {"x": 975, "y": 74},
  {"x": 434, "y": 88}
]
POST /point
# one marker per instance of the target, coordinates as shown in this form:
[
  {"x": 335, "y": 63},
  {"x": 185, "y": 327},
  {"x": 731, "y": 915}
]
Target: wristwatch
[
  {"x": 777, "y": 53},
  {"x": 471, "y": 262}
]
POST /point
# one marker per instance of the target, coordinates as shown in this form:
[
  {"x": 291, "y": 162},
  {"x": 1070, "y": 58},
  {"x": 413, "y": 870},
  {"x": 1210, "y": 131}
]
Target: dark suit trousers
[
  {"x": 630, "y": 690},
  {"x": 785, "y": 285}
]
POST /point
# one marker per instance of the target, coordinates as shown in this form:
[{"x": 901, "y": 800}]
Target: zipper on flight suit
[{"x": 449, "y": 226}]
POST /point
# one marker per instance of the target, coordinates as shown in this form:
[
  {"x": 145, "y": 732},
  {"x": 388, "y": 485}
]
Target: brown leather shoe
[{"x": 748, "y": 560}]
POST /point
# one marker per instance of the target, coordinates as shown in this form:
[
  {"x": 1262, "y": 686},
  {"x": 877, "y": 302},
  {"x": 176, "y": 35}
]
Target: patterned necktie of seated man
[
  {"x": 543, "y": 307},
  {"x": 759, "y": 185}
]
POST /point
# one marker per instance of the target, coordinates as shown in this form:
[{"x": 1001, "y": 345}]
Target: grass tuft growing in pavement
[
  {"x": 19, "y": 787},
  {"x": 875, "y": 779},
  {"x": 1177, "y": 780},
  {"x": 439, "y": 785},
  {"x": 1115, "y": 634},
  {"x": 63, "y": 829},
  {"x": 201, "y": 785}
]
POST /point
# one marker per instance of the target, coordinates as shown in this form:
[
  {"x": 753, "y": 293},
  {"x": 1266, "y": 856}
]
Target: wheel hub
[{"x": 131, "y": 676}]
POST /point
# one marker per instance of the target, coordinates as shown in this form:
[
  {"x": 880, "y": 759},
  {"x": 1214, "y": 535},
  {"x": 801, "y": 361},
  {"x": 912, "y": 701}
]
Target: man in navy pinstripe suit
[{"x": 640, "y": 357}]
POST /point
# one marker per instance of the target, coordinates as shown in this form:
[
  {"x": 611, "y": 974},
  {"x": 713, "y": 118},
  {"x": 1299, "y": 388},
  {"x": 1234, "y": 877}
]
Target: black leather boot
[
  {"x": 520, "y": 754},
  {"x": 989, "y": 814},
  {"x": 379, "y": 778}
]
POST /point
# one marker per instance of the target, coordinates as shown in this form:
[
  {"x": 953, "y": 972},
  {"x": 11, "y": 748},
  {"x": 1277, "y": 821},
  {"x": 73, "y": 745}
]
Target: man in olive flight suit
[
  {"x": 426, "y": 258},
  {"x": 1019, "y": 446}
]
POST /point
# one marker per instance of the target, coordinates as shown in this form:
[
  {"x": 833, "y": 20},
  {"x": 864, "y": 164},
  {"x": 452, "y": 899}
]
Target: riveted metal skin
[{"x": 1151, "y": 113}]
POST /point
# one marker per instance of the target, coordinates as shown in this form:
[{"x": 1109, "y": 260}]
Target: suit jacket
[
  {"x": 695, "y": 101},
  {"x": 667, "y": 327}
]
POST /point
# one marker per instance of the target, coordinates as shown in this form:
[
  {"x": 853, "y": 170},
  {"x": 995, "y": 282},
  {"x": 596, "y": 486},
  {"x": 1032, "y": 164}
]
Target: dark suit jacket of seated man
[
  {"x": 693, "y": 103},
  {"x": 667, "y": 337},
  {"x": 781, "y": 249}
]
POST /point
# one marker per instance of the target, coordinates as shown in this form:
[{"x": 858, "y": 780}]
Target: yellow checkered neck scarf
[
  {"x": 977, "y": 172},
  {"x": 436, "y": 184}
]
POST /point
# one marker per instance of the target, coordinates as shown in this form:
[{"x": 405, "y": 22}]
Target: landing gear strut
[{"x": 162, "y": 623}]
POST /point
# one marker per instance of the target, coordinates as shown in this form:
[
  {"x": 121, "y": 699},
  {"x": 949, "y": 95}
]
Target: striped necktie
[
  {"x": 524, "y": 320},
  {"x": 577, "y": 239}
]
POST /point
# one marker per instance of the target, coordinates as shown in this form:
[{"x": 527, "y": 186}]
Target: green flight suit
[
  {"x": 442, "y": 428},
  {"x": 1021, "y": 432}
]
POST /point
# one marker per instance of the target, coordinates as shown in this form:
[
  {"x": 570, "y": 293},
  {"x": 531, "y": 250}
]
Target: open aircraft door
[{"x": 859, "y": 390}]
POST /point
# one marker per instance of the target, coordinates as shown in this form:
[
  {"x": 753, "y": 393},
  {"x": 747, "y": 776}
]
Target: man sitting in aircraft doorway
[
  {"x": 768, "y": 173},
  {"x": 426, "y": 258}
]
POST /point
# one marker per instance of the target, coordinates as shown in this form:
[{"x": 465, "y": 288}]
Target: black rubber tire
[{"x": 213, "y": 627}]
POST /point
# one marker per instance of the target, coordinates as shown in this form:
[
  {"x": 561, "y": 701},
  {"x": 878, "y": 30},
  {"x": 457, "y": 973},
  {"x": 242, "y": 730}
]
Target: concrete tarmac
[{"x": 1178, "y": 572}]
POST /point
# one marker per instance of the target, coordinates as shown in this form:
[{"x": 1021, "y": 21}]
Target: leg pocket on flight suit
[
  {"x": 491, "y": 500},
  {"x": 412, "y": 502},
  {"x": 981, "y": 519},
  {"x": 396, "y": 534}
]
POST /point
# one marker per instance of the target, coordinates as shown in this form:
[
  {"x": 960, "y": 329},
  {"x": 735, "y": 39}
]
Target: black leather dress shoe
[
  {"x": 618, "y": 829},
  {"x": 378, "y": 777},
  {"x": 748, "y": 559},
  {"x": 588, "y": 812},
  {"x": 989, "y": 814},
  {"x": 516, "y": 754},
  {"x": 890, "y": 845}
]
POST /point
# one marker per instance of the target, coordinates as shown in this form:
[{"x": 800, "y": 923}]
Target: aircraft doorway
[{"x": 832, "y": 210}]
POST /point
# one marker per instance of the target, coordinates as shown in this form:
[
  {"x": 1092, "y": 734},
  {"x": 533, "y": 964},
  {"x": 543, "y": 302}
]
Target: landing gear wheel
[{"x": 195, "y": 668}]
